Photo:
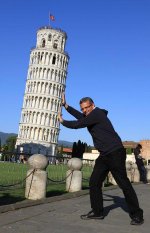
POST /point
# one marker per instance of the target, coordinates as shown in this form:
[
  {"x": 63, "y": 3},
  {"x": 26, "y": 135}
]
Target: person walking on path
[
  {"x": 140, "y": 164},
  {"x": 112, "y": 158}
]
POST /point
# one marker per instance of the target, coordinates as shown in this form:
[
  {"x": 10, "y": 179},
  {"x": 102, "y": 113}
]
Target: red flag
[{"x": 52, "y": 17}]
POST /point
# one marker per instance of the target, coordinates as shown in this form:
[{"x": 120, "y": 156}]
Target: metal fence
[{"x": 13, "y": 171}]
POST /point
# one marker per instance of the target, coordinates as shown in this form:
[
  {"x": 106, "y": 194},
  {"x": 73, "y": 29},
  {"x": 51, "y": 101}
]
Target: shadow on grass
[
  {"x": 53, "y": 193},
  {"x": 7, "y": 199}
]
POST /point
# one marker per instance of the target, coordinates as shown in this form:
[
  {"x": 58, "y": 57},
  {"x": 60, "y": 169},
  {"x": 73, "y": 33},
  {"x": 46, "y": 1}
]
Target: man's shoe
[
  {"x": 92, "y": 215},
  {"x": 145, "y": 182},
  {"x": 137, "y": 221}
]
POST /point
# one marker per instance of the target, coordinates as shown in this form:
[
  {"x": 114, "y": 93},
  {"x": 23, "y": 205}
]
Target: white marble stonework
[
  {"x": 46, "y": 81},
  {"x": 75, "y": 164},
  {"x": 74, "y": 175},
  {"x": 38, "y": 161},
  {"x": 36, "y": 177}
]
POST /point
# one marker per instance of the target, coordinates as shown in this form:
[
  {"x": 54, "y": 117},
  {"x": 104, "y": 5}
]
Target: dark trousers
[
  {"x": 115, "y": 163},
  {"x": 143, "y": 173}
]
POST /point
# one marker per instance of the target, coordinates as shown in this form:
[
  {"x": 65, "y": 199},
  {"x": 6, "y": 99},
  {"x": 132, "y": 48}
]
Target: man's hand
[
  {"x": 60, "y": 117},
  {"x": 64, "y": 100}
]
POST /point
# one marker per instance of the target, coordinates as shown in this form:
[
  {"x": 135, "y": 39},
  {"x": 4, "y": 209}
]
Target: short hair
[
  {"x": 139, "y": 146},
  {"x": 85, "y": 99}
]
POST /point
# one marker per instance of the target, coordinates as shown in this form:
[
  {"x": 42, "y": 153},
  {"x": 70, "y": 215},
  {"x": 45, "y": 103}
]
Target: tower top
[
  {"x": 55, "y": 30},
  {"x": 51, "y": 38}
]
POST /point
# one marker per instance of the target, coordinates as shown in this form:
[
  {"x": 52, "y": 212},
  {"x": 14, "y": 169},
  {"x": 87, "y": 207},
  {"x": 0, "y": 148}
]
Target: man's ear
[{"x": 93, "y": 105}]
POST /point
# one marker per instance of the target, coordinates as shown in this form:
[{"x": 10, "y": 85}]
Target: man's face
[{"x": 87, "y": 107}]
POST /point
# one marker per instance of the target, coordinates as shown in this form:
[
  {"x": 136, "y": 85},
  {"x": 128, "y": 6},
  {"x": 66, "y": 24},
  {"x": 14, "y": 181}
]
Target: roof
[{"x": 67, "y": 150}]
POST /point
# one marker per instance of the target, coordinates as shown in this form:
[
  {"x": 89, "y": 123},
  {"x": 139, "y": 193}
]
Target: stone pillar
[
  {"x": 129, "y": 171},
  {"x": 111, "y": 179},
  {"x": 93, "y": 163},
  {"x": 135, "y": 173},
  {"x": 36, "y": 177},
  {"x": 74, "y": 175},
  {"x": 148, "y": 172}
]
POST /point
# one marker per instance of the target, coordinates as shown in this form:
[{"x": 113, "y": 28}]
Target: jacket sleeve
[
  {"x": 83, "y": 122},
  {"x": 136, "y": 151},
  {"x": 74, "y": 112}
]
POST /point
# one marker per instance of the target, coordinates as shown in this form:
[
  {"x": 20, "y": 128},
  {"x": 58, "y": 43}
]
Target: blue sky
[{"x": 109, "y": 48}]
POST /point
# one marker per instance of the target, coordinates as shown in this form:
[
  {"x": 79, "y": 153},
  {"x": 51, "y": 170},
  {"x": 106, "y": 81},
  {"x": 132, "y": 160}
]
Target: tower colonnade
[
  {"x": 43, "y": 88},
  {"x": 49, "y": 74},
  {"x": 49, "y": 58},
  {"x": 46, "y": 81}
]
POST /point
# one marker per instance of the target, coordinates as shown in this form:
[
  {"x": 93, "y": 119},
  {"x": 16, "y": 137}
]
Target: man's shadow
[{"x": 117, "y": 202}]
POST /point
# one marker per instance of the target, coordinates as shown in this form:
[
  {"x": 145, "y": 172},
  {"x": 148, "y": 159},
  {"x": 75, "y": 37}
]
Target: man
[
  {"x": 140, "y": 164},
  {"x": 112, "y": 158}
]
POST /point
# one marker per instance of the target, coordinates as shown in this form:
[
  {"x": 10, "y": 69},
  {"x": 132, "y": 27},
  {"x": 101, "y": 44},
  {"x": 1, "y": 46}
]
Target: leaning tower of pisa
[{"x": 46, "y": 80}]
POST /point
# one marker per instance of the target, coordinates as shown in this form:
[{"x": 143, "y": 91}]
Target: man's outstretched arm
[{"x": 70, "y": 109}]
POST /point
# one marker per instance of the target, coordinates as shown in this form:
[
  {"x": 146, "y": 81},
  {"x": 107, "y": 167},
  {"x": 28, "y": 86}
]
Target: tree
[
  {"x": 129, "y": 151},
  {"x": 88, "y": 149},
  {"x": 5, "y": 156},
  {"x": 0, "y": 144},
  {"x": 9, "y": 147},
  {"x": 78, "y": 149},
  {"x": 10, "y": 142},
  {"x": 74, "y": 150}
]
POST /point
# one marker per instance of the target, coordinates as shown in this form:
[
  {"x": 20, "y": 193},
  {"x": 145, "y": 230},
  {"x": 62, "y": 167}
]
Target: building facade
[
  {"x": 46, "y": 81},
  {"x": 145, "y": 149}
]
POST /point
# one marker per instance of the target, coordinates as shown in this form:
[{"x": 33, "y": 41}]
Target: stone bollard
[
  {"x": 93, "y": 163},
  {"x": 135, "y": 173},
  {"x": 111, "y": 179},
  {"x": 36, "y": 177},
  {"x": 148, "y": 172},
  {"x": 74, "y": 175},
  {"x": 129, "y": 171}
]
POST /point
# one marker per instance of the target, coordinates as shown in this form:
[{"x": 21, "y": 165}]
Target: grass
[{"x": 14, "y": 173}]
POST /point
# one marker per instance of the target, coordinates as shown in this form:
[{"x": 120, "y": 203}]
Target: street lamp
[{"x": 21, "y": 149}]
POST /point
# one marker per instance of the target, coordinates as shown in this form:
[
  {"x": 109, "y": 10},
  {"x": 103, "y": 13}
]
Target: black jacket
[
  {"x": 105, "y": 138},
  {"x": 138, "y": 158}
]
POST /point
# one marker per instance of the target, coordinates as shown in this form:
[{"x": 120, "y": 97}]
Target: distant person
[
  {"x": 21, "y": 158},
  {"x": 112, "y": 157},
  {"x": 140, "y": 164}
]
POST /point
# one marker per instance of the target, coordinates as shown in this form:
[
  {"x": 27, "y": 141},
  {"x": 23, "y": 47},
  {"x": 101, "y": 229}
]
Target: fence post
[
  {"x": 129, "y": 170},
  {"x": 111, "y": 179},
  {"x": 74, "y": 175},
  {"x": 135, "y": 173},
  {"x": 148, "y": 172},
  {"x": 36, "y": 177}
]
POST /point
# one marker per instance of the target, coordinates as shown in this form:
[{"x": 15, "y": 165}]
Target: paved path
[{"x": 63, "y": 216}]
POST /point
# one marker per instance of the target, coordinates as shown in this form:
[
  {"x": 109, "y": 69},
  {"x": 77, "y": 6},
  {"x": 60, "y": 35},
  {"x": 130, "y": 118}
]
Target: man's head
[
  {"x": 139, "y": 146},
  {"x": 86, "y": 105}
]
